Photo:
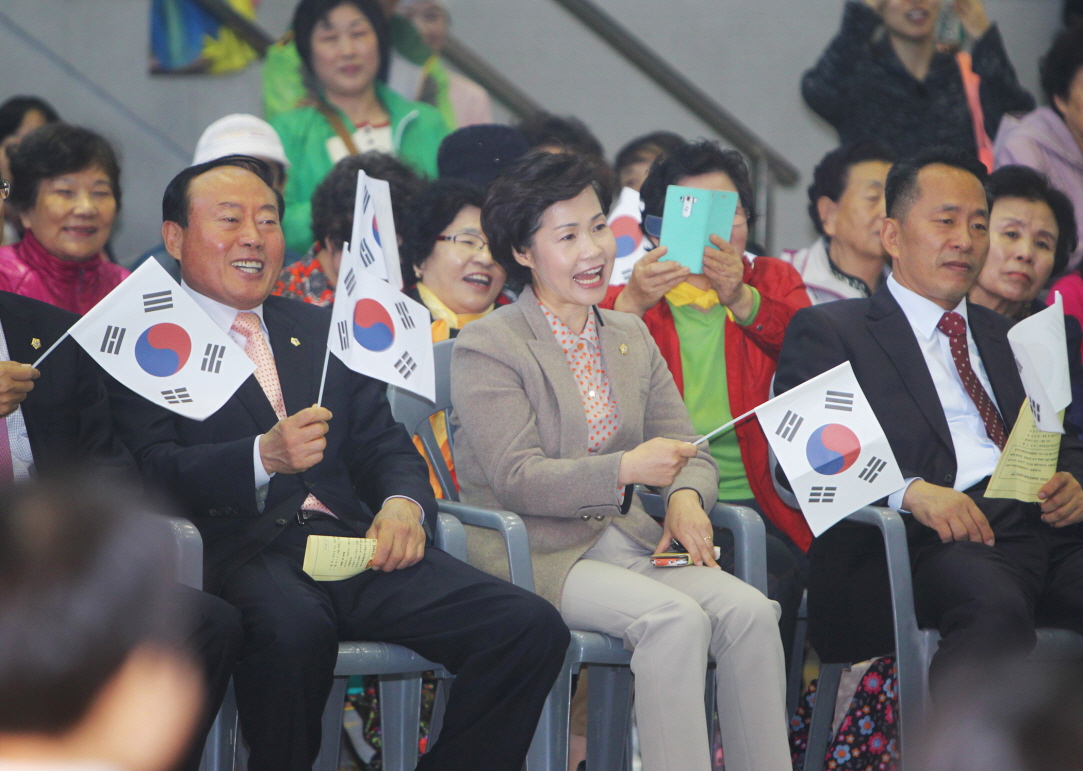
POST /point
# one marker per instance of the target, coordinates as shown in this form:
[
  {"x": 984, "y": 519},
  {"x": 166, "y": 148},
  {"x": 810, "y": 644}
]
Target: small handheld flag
[
  {"x": 373, "y": 240},
  {"x": 1041, "y": 353},
  {"x": 624, "y": 219},
  {"x": 831, "y": 446},
  {"x": 152, "y": 337}
]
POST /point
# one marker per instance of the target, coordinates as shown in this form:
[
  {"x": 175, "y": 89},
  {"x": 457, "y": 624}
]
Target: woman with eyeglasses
[{"x": 445, "y": 252}]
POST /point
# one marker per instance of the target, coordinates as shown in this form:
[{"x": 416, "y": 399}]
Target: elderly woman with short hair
[
  {"x": 562, "y": 408},
  {"x": 65, "y": 189}
]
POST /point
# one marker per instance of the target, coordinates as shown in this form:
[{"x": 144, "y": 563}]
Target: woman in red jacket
[{"x": 723, "y": 325}]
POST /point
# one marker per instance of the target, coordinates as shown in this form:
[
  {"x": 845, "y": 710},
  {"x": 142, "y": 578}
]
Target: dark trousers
[
  {"x": 987, "y": 600},
  {"x": 505, "y": 646},
  {"x": 215, "y": 642}
]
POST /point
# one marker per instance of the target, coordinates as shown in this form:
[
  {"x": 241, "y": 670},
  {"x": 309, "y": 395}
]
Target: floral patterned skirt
[{"x": 865, "y": 741}]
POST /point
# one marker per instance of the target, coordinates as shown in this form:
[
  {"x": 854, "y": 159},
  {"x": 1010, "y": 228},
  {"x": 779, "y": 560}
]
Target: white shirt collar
[
  {"x": 221, "y": 314},
  {"x": 922, "y": 313}
]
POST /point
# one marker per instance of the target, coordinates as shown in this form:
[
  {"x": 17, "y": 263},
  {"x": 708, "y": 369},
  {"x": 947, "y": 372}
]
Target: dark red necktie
[{"x": 953, "y": 325}]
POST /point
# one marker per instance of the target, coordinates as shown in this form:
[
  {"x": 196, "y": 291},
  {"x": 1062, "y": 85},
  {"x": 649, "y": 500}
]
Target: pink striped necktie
[
  {"x": 7, "y": 466},
  {"x": 247, "y": 323}
]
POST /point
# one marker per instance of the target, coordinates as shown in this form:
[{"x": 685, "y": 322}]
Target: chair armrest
[
  {"x": 749, "y": 542},
  {"x": 909, "y": 640},
  {"x": 450, "y": 536},
  {"x": 510, "y": 526},
  {"x": 189, "y": 551}
]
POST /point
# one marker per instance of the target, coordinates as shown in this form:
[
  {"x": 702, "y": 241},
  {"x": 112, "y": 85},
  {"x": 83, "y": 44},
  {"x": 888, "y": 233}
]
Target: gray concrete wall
[{"x": 748, "y": 54}]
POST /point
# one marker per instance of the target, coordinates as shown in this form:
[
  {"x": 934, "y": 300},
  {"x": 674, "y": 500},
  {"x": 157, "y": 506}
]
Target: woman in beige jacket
[{"x": 561, "y": 408}]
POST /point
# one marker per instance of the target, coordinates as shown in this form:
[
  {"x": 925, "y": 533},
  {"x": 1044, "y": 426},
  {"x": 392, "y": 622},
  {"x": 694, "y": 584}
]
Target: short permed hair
[
  {"x": 832, "y": 173},
  {"x": 1031, "y": 185},
  {"x": 690, "y": 159},
  {"x": 901, "y": 189},
  {"x": 54, "y": 150},
  {"x": 1062, "y": 63},
  {"x": 175, "y": 201},
  {"x": 434, "y": 208},
  {"x": 310, "y": 13},
  {"x": 88, "y": 578},
  {"x": 333, "y": 199},
  {"x": 14, "y": 110},
  {"x": 516, "y": 202}
]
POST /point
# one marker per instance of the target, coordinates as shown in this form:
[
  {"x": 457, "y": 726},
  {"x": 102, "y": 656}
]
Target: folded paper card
[
  {"x": 691, "y": 217},
  {"x": 331, "y": 558},
  {"x": 1028, "y": 462}
]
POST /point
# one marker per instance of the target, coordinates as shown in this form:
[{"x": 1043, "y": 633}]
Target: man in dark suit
[
  {"x": 940, "y": 376},
  {"x": 267, "y": 470},
  {"x": 58, "y": 419}
]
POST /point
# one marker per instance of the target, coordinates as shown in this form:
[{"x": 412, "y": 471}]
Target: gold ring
[{"x": 708, "y": 538}]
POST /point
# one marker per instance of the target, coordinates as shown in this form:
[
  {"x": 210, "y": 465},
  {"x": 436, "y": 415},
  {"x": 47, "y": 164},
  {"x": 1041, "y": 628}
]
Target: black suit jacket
[
  {"x": 67, "y": 413},
  {"x": 848, "y": 588},
  {"x": 208, "y": 468}
]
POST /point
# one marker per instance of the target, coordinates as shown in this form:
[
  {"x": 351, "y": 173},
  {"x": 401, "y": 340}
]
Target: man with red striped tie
[{"x": 940, "y": 376}]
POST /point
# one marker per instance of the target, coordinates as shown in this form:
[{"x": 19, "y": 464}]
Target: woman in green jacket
[{"x": 344, "y": 47}]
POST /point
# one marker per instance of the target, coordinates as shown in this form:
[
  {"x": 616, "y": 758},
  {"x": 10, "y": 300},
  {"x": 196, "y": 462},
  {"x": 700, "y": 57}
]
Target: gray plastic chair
[
  {"x": 399, "y": 669},
  {"x": 914, "y": 647}
]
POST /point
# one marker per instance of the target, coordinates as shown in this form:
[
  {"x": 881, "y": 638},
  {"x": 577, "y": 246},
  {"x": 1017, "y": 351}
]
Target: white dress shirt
[
  {"x": 22, "y": 459},
  {"x": 976, "y": 455},
  {"x": 224, "y": 316}
]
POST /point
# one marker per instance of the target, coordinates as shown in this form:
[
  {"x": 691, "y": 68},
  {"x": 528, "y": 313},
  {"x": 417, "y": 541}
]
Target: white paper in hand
[
  {"x": 831, "y": 446},
  {"x": 152, "y": 337},
  {"x": 1041, "y": 353},
  {"x": 378, "y": 331}
]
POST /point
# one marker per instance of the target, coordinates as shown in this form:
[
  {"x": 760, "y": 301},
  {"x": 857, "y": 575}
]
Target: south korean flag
[
  {"x": 378, "y": 331},
  {"x": 152, "y": 337},
  {"x": 831, "y": 446},
  {"x": 372, "y": 239}
]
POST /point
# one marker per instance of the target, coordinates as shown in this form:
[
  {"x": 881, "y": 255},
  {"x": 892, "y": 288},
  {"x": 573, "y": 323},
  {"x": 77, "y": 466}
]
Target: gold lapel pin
[
  {"x": 295, "y": 341},
  {"x": 623, "y": 348},
  {"x": 35, "y": 343}
]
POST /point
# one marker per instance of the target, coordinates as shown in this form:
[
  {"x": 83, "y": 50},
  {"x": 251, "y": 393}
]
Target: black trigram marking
[
  {"x": 822, "y": 495},
  {"x": 343, "y": 335},
  {"x": 212, "y": 358},
  {"x": 177, "y": 396},
  {"x": 350, "y": 281},
  {"x": 405, "y": 365},
  {"x": 1036, "y": 409},
  {"x": 789, "y": 426},
  {"x": 367, "y": 257},
  {"x": 158, "y": 301},
  {"x": 112, "y": 339},
  {"x": 839, "y": 400},
  {"x": 404, "y": 314},
  {"x": 872, "y": 469},
  {"x": 365, "y": 200}
]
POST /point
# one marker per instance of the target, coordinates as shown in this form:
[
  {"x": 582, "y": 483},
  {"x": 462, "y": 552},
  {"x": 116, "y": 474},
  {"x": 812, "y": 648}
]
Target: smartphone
[{"x": 671, "y": 559}]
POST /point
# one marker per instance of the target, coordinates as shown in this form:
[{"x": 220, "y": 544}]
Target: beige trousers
[{"x": 672, "y": 619}]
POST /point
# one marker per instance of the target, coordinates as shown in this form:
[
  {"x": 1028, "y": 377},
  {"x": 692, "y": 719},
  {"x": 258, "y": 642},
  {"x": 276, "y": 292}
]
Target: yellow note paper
[
  {"x": 331, "y": 558},
  {"x": 1028, "y": 461}
]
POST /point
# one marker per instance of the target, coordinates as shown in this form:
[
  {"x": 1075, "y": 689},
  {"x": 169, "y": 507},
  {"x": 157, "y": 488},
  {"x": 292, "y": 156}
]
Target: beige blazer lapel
[{"x": 554, "y": 368}]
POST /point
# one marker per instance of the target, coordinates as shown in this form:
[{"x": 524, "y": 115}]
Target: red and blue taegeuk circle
[
  {"x": 628, "y": 234},
  {"x": 376, "y": 231},
  {"x": 373, "y": 328},
  {"x": 163, "y": 349},
  {"x": 832, "y": 449}
]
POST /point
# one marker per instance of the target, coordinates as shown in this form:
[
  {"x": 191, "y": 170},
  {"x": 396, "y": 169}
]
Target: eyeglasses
[
  {"x": 474, "y": 243},
  {"x": 5, "y": 189}
]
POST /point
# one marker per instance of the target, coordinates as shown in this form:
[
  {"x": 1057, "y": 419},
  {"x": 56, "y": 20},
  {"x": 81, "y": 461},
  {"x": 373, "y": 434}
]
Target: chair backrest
[{"x": 414, "y": 411}]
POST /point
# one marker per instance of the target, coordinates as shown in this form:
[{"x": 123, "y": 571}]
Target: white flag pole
[
  {"x": 323, "y": 378},
  {"x": 726, "y": 426},
  {"x": 51, "y": 349}
]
